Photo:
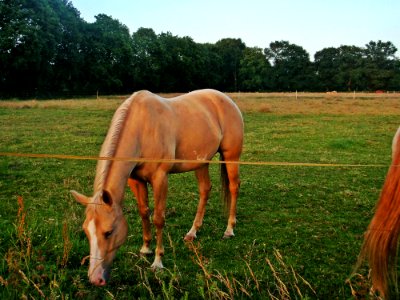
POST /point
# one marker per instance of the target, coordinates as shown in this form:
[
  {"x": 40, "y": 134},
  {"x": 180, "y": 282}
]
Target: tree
[
  {"x": 394, "y": 82},
  {"x": 327, "y": 62},
  {"x": 380, "y": 65},
  {"x": 146, "y": 60},
  {"x": 29, "y": 39},
  {"x": 177, "y": 61},
  {"x": 291, "y": 67},
  {"x": 340, "y": 68},
  {"x": 40, "y": 50},
  {"x": 69, "y": 58},
  {"x": 13, "y": 29},
  {"x": 350, "y": 70},
  {"x": 231, "y": 53},
  {"x": 208, "y": 67},
  {"x": 254, "y": 70},
  {"x": 108, "y": 56}
]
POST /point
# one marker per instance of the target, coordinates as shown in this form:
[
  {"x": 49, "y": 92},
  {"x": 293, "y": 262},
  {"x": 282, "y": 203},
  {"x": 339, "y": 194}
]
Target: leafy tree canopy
[{"x": 47, "y": 49}]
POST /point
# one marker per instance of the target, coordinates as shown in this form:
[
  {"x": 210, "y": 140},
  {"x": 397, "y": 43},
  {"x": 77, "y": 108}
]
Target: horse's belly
[
  {"x": 185, "y": 167},
  {"x": 196, "y": 157}
]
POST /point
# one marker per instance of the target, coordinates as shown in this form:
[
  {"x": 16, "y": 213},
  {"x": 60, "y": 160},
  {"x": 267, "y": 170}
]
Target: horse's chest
[{"x": 144, "y": 171}]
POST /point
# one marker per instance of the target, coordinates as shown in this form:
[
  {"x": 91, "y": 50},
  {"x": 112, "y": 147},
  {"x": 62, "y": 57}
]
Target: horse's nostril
[{"x": 100, "y": 281}]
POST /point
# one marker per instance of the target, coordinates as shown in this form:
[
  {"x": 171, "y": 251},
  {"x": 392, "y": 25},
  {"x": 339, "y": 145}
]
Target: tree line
[{"x": 47, "y": 49}]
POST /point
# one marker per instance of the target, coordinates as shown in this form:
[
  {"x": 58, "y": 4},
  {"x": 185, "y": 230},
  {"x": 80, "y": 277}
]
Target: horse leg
[
  {"x": 204, "y": 182},
  {"x": 234, "y": 183},
  {"x": 139, "y": 189},
  {"x": 160, "y": 189}
]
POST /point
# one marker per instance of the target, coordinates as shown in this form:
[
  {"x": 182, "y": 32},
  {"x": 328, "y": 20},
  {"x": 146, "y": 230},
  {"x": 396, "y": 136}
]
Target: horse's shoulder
[
  {"x": 146, "y": 98},
  {"x": 143, "y": 95},
  {"x": 208, "y": 92},
  {"x": 150, "y": 106}
]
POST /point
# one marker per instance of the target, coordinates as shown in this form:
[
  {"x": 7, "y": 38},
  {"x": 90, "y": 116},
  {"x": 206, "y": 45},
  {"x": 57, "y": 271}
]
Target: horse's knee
[
  {"x": 144, "y": 211},
  {"x": 159, "y": 220}
]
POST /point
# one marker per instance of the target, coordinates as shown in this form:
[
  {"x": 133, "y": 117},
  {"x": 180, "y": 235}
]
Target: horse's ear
[
  {"x": 107, "y": 198},
  {"x": 80, "y": 198}
]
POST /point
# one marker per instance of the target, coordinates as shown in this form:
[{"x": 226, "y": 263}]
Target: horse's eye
[{"x": 107, "y": 234}]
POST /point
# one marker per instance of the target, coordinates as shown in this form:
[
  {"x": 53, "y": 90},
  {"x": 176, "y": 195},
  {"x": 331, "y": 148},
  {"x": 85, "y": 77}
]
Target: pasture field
[{"x": 299, "y": 228}]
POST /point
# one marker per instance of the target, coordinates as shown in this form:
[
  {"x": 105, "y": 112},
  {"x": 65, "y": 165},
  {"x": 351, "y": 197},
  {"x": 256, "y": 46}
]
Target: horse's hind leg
[
  {"x": 139, "y": 189},
  {"x": 204, "y": 182},
  {"x": 234, "y": 183}
]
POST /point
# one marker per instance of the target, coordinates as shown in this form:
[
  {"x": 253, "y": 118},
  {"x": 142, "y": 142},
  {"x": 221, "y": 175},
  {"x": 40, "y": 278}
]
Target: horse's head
[{"x": 106, "y": 230}]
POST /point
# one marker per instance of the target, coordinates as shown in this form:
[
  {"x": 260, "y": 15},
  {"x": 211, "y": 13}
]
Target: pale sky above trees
[{"x": 312, "y": 24}]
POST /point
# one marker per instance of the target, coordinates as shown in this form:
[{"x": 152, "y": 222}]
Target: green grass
[{"x": 293, "y": 222}]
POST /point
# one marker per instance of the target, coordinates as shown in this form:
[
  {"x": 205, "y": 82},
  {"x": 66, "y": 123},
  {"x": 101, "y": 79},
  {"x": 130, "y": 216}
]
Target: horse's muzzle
[{"x": 99, "y": 277}]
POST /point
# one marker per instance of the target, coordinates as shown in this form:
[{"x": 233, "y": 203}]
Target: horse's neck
[
  {"x": 112, "y": 175},
  {"x": 117, "y": 179}
]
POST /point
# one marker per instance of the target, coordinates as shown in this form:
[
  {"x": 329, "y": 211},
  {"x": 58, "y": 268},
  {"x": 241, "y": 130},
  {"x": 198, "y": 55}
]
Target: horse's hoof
[
  {"x": 189, "y": 238},
  {"x": 145, "y": 251},
  {"x": 157, "y": 266},
  {"x": 228, "y": 236}
]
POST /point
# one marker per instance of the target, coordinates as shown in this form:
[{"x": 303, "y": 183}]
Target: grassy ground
[{"x": 299, "y": 228}]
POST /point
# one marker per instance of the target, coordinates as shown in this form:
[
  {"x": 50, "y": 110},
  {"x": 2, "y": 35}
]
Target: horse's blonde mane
[{"x": 111, "y": 142}]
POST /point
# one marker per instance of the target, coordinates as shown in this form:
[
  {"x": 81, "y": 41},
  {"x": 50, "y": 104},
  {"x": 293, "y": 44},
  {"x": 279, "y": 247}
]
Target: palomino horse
[
  {"x": 381, "y": 238},
  {"x": 190, "y": 128}
]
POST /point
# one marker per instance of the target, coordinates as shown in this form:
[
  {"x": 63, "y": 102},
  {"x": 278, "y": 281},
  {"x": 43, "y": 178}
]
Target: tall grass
[{"x": 25, "y": 268}]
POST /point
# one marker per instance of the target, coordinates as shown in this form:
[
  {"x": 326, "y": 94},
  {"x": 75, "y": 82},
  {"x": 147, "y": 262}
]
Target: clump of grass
[
  {"x": 26, "y": 271},
  {"x": 18, "y": 258},
  {"x": 23, "y": 237},
  {"x": 346, "y": 143},
  {"x": 286, "y": 279},
  {"x": 361, "y": 287},
  {"x": 67, "y": 245},
  {"x": 214, "y": 284}
]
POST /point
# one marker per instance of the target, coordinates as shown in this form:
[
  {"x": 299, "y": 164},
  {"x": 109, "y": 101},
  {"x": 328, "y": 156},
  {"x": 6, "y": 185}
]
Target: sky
[{"x": 311, "y": 24}]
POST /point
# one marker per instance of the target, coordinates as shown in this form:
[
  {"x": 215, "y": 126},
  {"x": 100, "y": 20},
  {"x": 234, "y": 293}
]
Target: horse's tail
[
  {"x": 381, "y": 237},
  {"x": 226, "y": 194}
]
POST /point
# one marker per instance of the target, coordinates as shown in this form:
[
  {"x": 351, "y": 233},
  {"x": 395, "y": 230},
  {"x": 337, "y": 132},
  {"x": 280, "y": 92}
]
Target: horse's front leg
[
  {"x": 139, "y": 189},
  {"x": 160, "y": 189}
]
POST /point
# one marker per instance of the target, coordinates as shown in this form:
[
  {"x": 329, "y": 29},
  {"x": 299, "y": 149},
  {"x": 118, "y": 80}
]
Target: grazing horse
[
  {"x": 381, "y": 238},
  {"x": 189, "y": 129}
]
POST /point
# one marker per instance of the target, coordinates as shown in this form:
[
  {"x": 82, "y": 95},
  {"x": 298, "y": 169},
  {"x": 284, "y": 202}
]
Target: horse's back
[
  {"x": 210, "y": 105},
  {"x": 210, "y": 99},
  {"x": 191, "y": 126}
]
